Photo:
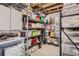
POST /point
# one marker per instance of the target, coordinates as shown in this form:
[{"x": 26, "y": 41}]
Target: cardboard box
[{"x": 52, "y": 34}]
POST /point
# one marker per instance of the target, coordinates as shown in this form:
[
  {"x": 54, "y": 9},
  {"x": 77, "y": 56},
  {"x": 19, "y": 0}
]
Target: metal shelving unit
[
  {"x": 28, "y": 20},
  {"x": 34, "y": 21},
  {"x": 34, "y": 28},
  {"x": 62, "y": 30},
  {"x": 36, "y": 36}
]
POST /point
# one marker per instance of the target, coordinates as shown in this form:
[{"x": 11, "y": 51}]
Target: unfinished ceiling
[
  {"x": 43, "y": 8},
  {"x": 47, "y": 8}
]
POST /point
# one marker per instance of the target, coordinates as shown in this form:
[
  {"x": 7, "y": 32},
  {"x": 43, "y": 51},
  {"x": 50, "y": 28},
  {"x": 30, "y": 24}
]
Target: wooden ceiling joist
[
  {"x": 42, "y": 7},
  {"x": 46, "y": 5},
  {"x": 47, "y": 8},
  {"x": 33, "y": 5},
  {"x": 54, "y": 7},
  {"x": 53, "y": 11}
]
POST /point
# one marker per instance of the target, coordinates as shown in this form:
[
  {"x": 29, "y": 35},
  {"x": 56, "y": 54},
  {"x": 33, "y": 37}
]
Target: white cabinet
[
  {"x": 4, "y": 18},
  {"x": 16, "y": 20}
]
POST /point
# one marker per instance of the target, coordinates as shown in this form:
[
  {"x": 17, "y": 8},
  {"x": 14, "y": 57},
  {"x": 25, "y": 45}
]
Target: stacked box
[
  {"x": 70, "y": 8},
  {"x": 38, "y": 32},
  {"x": 32, "y": 16},
  {"x": 69, "y": 49},
  {"x": 70, "y": 22},
  {"x": 38, "y": 25},
  {"x": 74, "y": 35}
]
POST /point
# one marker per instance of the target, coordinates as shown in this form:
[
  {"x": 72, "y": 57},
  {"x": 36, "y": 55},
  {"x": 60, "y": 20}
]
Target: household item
[
  {"x": 38, "y": 32},
  {"x": 46, "y": 21},
  {"x": 34, "y": 33},
  {"x": 41, "y": 18},
  {"x": 25, "y": 25},
  {"x": 42, "y": 25},
  {"x": 39, "y": 45},
  {"x": 22, "y": 34},
  {"x": 52, "y": 34},
  {"x": 23, "y": 21},
  {"x": 50, "y": 21},
  {"x": 49, "y": 27},
  {"x": 34, "y": 41},
  {"x": 38, "y": 25},
  {"x": 31, "y": 25},
  {"x": 32, "y": 16},
  {"x": 37, "y": 18},
  {"x": 45, "y": 41},
  {"x": 46, "y": 32}
]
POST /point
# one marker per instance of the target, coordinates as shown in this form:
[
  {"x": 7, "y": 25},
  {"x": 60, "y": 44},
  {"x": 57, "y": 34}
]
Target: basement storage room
[{"x": 39, "y": 29}]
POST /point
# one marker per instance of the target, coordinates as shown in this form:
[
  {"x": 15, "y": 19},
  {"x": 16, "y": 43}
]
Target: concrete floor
[{"x": 47, "y": 50}]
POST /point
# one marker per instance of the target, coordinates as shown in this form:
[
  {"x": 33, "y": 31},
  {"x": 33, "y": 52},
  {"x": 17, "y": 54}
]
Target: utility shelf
[
  {"x": 34, "y": 28},
  {"x": 70, "y": 15},
  {"x": 37, "y": 28},
  {"x": 70, "y": 27},
  {"x": 49, "y": 23},
  {"x": 35, "y": 36},
  {"x": 34, "y": 21},
  {"x": 54, "y": 37}
]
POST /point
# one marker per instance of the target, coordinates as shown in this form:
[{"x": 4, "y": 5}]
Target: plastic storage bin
[{"x": 13, "y": 47}]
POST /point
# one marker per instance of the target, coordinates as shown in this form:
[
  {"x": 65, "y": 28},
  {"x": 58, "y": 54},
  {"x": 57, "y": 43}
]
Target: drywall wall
[
  {"x": 4, "y": 18},
  {"x": 16, "y": 20},
  {"x": 10, "y": 19}
]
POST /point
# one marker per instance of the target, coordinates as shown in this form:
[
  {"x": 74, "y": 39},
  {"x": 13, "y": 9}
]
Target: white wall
[
  {"x": 4, "y": 18},
  {"x": 10, "y": 20},
  {"x": 16, "y": 20}
]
